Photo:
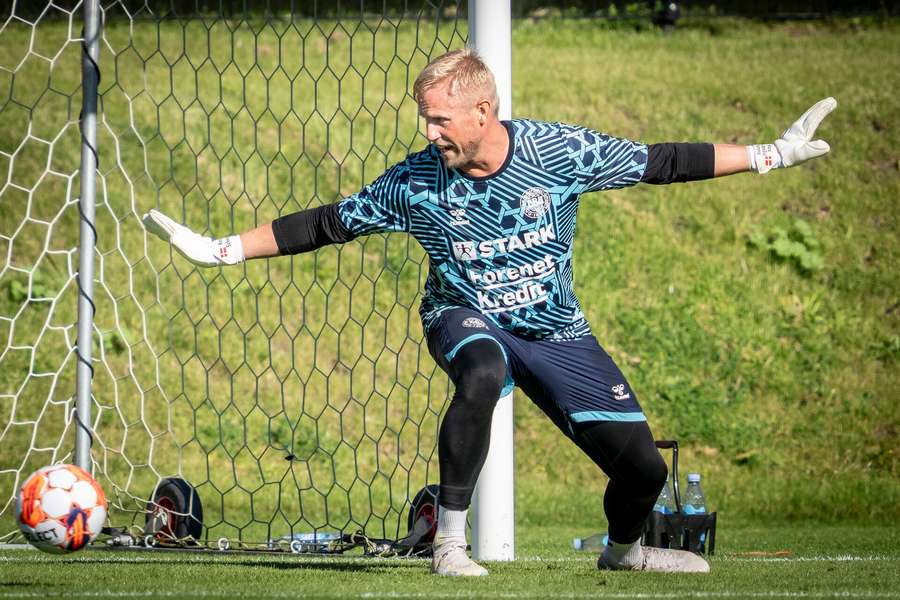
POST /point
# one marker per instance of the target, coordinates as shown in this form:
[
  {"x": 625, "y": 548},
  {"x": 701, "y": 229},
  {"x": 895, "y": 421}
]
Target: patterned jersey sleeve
[
  {"x": 602, "y": 162},
  {"x": 383, "y": 205}
]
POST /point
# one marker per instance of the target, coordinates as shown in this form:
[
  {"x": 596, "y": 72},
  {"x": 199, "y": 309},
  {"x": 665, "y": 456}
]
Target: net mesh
[{"x": 296, "y": 394}]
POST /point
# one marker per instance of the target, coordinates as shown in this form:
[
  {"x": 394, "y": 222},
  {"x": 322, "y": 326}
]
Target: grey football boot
[
  {"x": 654, "y": 559},
  {"x": 450, "y": 559}
]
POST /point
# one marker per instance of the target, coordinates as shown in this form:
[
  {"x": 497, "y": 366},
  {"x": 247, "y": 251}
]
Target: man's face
[{"x": 452, "y": 124}]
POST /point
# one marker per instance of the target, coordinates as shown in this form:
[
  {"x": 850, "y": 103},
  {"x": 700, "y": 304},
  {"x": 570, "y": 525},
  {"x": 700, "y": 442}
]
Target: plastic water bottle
[
  {"x": 665, "y": 504},
  {"x": 594, "y": 543},
  {"x": 695, "y": 502},
  {"x": 314, "y": 542},
  {"x": 301, "y": 543}
]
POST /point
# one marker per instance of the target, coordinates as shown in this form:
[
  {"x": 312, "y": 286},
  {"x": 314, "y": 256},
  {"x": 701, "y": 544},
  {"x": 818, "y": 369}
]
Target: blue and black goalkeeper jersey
[{"x": 501, "y": 244}]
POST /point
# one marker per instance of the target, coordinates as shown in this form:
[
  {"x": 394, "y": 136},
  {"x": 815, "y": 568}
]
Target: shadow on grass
[
  {"x": 326, "y": 563},
  {"x": 355, "y": 566}
]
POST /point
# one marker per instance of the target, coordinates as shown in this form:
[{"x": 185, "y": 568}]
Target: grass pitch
[{"x": 794, "y": 561}]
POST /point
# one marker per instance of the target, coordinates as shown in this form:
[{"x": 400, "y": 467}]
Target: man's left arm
[{"x": 672, "y": 163}]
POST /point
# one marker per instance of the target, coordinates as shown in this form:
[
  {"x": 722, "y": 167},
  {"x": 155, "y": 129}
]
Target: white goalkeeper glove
[
  {"x": 796, "y": 144},
  {"x": 200, "y": 250}
]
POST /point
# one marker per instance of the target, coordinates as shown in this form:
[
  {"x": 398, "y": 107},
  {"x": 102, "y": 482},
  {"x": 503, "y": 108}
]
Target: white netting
[{"x": 294, "y": 393}]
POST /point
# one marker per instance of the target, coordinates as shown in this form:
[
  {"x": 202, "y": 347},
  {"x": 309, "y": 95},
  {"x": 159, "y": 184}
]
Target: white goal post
[{"x": 493, "y": 504}]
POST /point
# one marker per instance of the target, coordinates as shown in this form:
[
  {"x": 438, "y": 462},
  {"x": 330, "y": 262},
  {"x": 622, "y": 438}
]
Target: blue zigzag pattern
[{"x": 501, "y": 245}]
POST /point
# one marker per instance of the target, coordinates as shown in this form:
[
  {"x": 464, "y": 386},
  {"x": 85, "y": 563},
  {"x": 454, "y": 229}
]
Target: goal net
[{"x": 295, "y": 394}]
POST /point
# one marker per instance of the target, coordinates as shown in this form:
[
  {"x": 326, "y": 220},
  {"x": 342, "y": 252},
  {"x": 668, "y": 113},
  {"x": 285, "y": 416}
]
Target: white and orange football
[{"x": 60, "y": 508}]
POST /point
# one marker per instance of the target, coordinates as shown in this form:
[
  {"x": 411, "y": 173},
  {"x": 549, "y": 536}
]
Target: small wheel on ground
[
  {"x": 423, "y": 514},
  {"x": 174, "y": 513}
]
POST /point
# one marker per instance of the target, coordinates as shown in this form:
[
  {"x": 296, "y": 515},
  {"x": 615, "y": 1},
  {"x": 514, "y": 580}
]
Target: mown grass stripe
[
  {"x": 470, "y": 594},
  {"x": 313, "y": 559}
]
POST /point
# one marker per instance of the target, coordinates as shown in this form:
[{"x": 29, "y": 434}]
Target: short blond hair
[{"x": 466, "y": 73}]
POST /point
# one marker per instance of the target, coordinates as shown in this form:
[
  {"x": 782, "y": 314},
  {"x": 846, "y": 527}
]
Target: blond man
[{"x": 494, "y": 204}]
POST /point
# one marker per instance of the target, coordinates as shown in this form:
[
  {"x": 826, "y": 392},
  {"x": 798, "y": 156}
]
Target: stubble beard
[{"x": 459, "y": 158}]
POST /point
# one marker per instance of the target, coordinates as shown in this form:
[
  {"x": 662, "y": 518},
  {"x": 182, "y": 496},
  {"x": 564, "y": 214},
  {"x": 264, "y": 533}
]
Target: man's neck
[{"x": 493, "y": 151}]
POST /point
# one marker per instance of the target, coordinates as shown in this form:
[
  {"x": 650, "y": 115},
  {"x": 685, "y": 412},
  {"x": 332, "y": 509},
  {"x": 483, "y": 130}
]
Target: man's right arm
[
  {"x": 380, "y": 206},
  {"x": 302, "y": 231}
]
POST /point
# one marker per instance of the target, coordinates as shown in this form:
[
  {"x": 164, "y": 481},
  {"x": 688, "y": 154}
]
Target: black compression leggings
[
  {"x": 478, "y": 370},
  {"x": 625, "y": 451},
  {"x": 637, "y": 473}
]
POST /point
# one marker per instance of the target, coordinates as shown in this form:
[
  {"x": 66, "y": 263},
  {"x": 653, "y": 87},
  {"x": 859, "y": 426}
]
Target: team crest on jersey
[
  {"x": 535, "y": 202},
  {"x": 474, "y": 323}
]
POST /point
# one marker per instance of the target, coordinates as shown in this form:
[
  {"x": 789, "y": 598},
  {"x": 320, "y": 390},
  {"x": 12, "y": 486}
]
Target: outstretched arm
[
  {"x": 670, "y": 163},
  {"x": 383, "y": 205},
  {"x": 299, "y": 232}
]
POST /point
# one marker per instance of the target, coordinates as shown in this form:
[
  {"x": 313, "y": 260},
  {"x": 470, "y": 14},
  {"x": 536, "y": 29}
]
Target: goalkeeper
[{"x": 493, "y": 203}]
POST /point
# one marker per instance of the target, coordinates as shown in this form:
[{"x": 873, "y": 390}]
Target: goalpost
[
  {"x": 296, "y": 394},
  {"x": 493, "y": 503}
]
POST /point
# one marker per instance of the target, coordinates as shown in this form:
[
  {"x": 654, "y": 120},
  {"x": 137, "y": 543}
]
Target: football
[{"x": 60, "y": 508}]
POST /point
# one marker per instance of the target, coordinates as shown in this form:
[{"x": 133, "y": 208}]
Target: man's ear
[{"x": 484, "y": 109}]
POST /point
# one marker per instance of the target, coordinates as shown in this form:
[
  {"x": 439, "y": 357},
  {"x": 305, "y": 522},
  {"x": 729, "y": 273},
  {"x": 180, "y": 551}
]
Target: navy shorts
[{"x": 573, "y": 381}]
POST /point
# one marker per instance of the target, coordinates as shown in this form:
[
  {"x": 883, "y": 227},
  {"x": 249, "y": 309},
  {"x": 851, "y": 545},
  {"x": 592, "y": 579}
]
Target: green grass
[
  {"x": 780, "y": 382},
  {"x": 803, "y": 562}
]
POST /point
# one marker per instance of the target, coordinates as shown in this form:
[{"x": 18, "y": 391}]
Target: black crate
[{"x": 696, "y": 533}]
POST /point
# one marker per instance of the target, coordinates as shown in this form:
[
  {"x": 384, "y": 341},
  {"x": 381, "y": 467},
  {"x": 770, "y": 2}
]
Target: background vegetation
[
  {"x": 781, "y": 378},
  {"x": 604, "y": 9},
  {"x": 756, "y": 316}
]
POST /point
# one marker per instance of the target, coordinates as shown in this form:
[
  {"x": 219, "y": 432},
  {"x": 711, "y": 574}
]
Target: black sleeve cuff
[
  {"x": 310, "y": 229},
  {"x": 677, "y": 163}
]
